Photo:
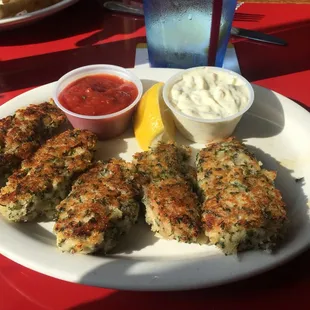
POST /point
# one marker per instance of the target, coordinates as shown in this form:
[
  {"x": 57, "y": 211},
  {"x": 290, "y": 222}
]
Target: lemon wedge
[{"x": 153, "y": 121}]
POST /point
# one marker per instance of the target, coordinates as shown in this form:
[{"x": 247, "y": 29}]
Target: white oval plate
[
  {"x": 16, "y": 21},
  {"x": 275, "y": 129}
]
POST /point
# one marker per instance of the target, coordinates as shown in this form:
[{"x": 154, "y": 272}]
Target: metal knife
[
  {"x": 238, "y": 32},
  {"x": 257, "y": 36}
]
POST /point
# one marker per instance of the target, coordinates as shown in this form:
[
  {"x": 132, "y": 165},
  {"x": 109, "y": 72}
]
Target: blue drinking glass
[{"x": 179, "y": 31}]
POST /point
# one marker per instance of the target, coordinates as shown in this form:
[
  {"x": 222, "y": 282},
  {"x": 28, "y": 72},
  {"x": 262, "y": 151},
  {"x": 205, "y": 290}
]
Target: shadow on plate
[
  {"x": 126, "y": 267},
  {"x": 113, "y": 148},
  {"x": 139, "y": 237},
  {"x": 36, "y": 232},
  {"x": 271, "y": 284},
  {"x": 297, "y": 230},
  {"x": 147, "y": 84},
  {"x": 264, "y": 119}
]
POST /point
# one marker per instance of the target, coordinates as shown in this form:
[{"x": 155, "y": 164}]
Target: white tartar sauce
[{"x": 209, "y": 94}]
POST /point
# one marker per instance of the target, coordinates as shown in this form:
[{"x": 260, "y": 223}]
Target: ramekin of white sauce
[{"x": 207, "y": 102}]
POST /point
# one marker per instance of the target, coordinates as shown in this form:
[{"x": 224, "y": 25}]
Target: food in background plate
[
  {"x": 23, "y": 133},
  {"x": 101, "y": 207},
  {"x": 44, "y": 180},
  {"x": 242, "y": 209},
  {"x": 153, "y": 121},
  {"x": 10, "y": 8},
  {"x": 172, "y": 207}
]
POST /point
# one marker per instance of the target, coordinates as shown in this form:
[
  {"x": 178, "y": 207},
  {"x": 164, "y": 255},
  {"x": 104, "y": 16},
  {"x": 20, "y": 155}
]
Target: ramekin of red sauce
[{"x": 100, "y": 98}]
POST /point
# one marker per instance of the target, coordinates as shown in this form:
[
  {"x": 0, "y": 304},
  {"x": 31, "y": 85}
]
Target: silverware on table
[
  {"x": 238, "y": 32},
  {"x": 257, "y": 36},
  {"x": 124, "y": 8}
]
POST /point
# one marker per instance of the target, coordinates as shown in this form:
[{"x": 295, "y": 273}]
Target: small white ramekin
[
  {"x": 205, "y": 130},
  {"x": 105, "y": 126}
]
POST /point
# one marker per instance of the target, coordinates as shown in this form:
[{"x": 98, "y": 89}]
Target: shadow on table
[
  {"x": 79, "y": 18},
  {"x": 32, "y": 71},
  {"x": 261, "y": 61},
  {"x": 83, "y": 17},
  {"x": 113, "y": 26}
]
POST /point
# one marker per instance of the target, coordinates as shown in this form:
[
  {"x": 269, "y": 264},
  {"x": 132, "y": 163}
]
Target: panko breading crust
[
  {"x": 172, "y": 207},
  {"x": 24, "y": 132},
  {"x": 242, "y": 209},
  {"x": 101, "y": 207},
  {"x": 44, "y": 179}
]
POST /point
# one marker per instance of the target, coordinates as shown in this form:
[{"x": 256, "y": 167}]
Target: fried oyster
[
  {"x": 167, "y": 181},
  {"x": 24, "y": 132},
  {"x": 44, "y": 180},
  {"x": 242, "y": 209},
  {"x": 101, "y": 207}
]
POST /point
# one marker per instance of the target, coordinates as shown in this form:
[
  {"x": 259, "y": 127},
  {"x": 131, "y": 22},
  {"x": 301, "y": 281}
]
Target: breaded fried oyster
[
  {"x": 101, "y": 207},
  {"x": 44, "y": 180},
  {"x": 24, "y": 132},
  {"x": 172, "y": 207},
  {"x": 242, "y": 209}
]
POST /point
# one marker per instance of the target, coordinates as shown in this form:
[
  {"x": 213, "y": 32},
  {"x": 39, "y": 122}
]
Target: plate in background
[{"x": 17, "y": 21}]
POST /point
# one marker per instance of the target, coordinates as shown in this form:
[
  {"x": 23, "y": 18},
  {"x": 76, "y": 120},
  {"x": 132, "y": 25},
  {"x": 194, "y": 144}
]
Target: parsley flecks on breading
[
  {"x": 242, "y": 209},
  {"x": 24, "y": 132},
  {"x": 167, "y": 181},
  {"x": 44, "y": 180},
  {"x": 101, "y": 207}
]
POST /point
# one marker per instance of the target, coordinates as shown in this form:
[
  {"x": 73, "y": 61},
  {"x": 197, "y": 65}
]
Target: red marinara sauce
[{"x": 100, "y": 94}]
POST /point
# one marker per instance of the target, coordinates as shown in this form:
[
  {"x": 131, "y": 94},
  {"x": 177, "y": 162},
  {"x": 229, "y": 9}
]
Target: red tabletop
[{"x": 86, "y": 34}]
